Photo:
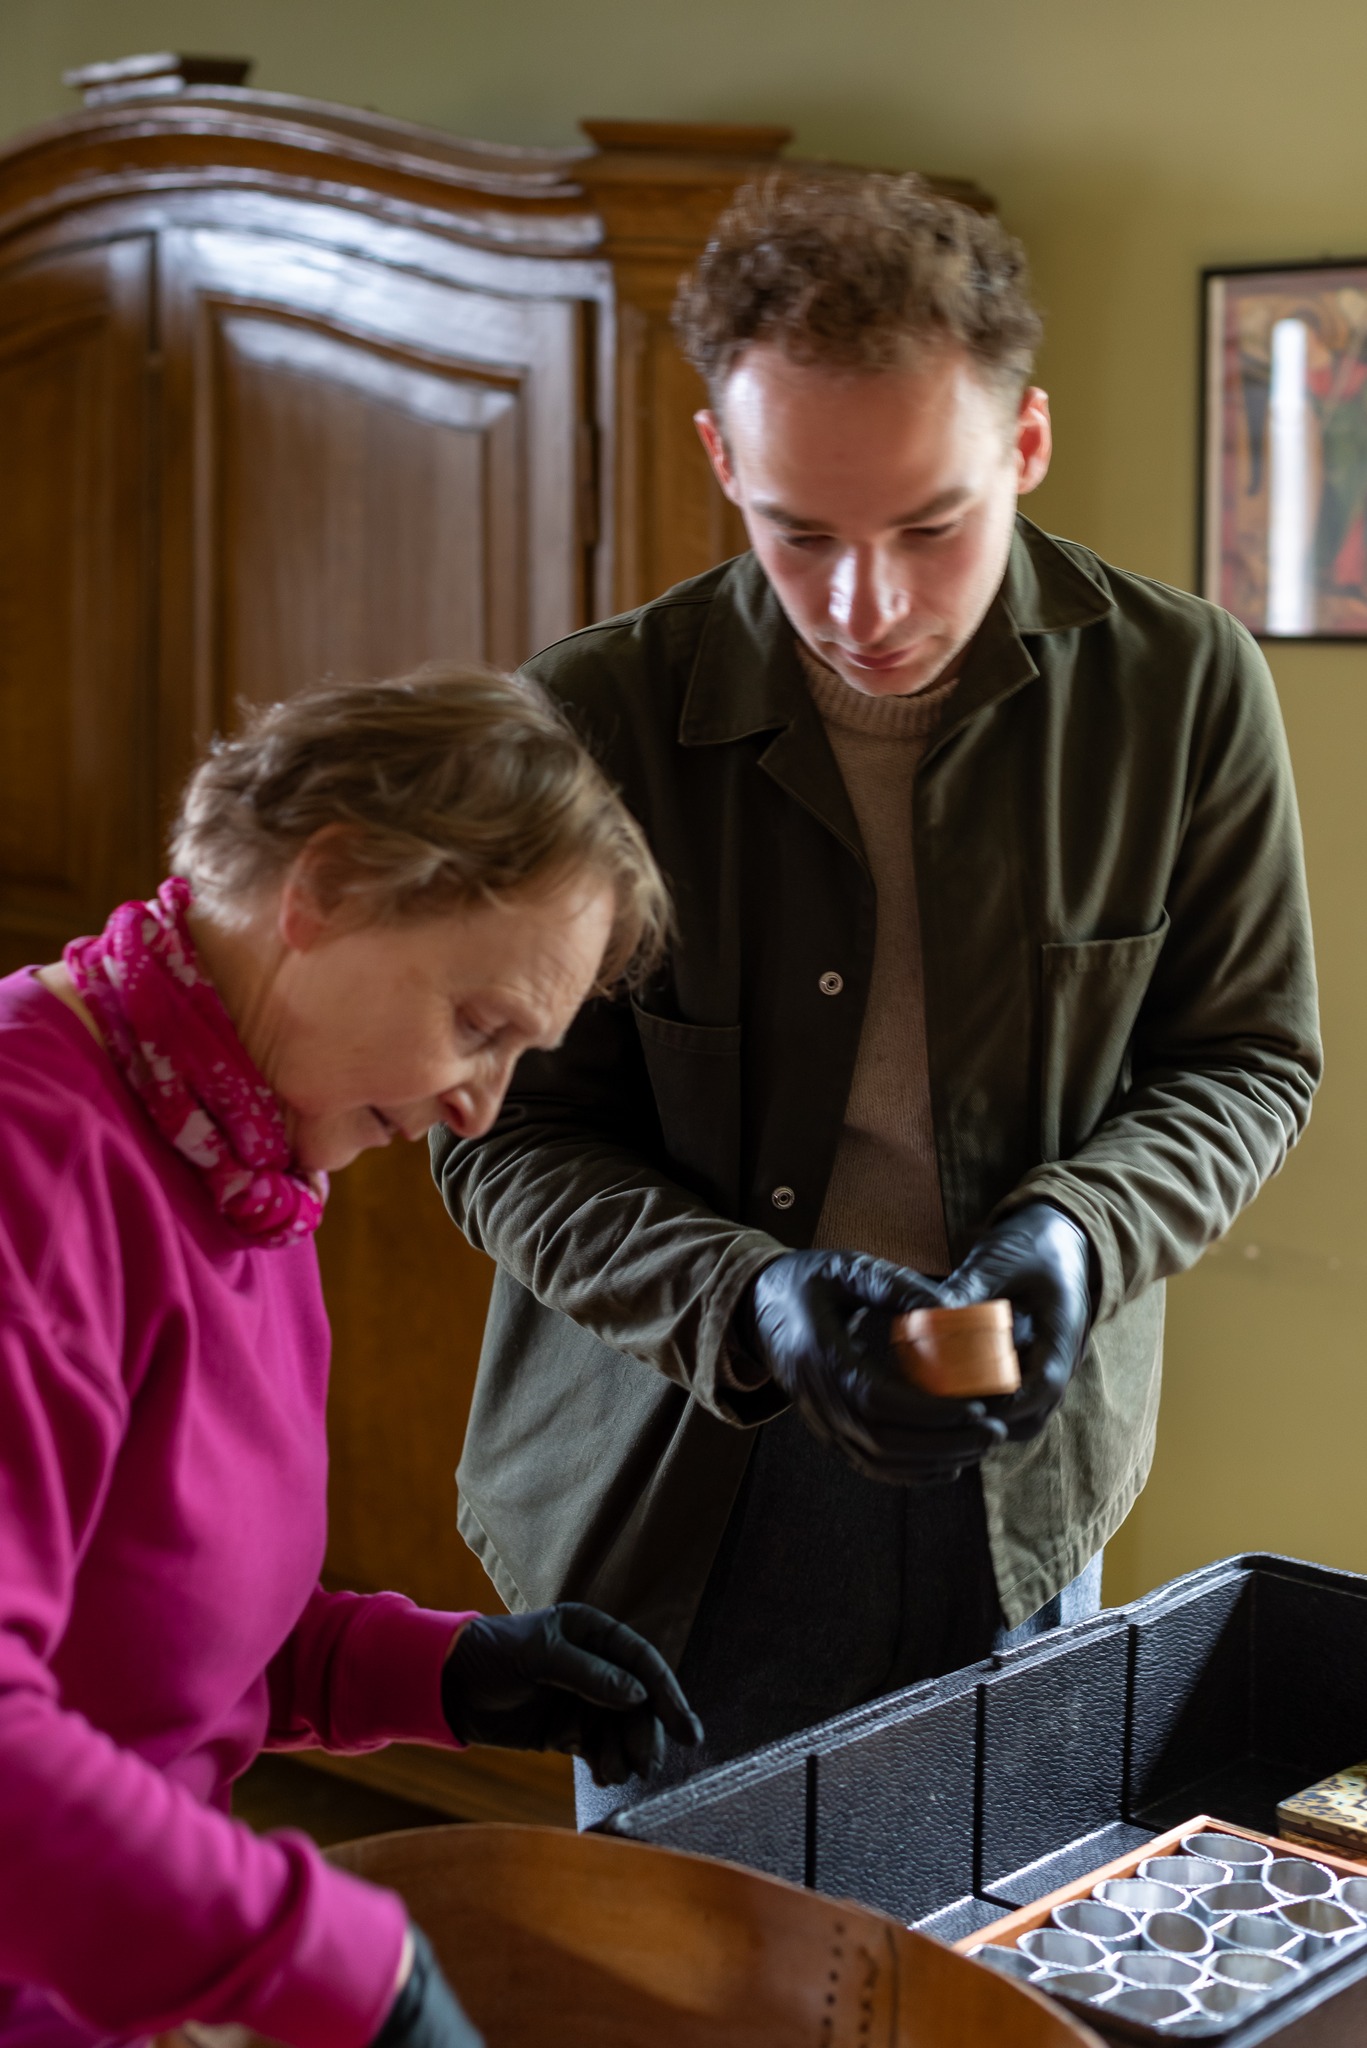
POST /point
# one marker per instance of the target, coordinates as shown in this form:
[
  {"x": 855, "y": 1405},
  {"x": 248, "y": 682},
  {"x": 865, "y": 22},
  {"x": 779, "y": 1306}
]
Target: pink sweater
[{"x": 162, "y": 1522}]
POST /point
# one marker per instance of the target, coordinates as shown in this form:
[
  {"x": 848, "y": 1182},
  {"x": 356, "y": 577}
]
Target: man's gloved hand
[
  {"x": 425, "y": 2013},
  {"x": 566, "y": 1678},
  {"x": 821, "y": 1323},
  {"x": 1038, "y": 1260}
]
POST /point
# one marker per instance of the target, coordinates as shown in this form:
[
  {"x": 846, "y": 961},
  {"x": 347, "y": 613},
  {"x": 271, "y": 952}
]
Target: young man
[{"x": 993, "y": 964}]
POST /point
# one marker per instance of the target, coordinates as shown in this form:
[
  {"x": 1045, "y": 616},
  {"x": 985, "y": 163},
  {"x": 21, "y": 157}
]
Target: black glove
[
  {"x": 821, "y": 1323},
  {"x": 566, "y": 1678},
  {"x": 1038, "y": 1260},
  {"x": 425, "y": 2013}
]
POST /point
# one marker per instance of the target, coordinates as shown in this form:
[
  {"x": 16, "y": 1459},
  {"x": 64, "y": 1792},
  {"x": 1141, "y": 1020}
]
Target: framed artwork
[{"x": 1284, "y": 456}]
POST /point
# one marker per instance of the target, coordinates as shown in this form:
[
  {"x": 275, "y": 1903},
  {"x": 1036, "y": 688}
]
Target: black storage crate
[{"x": 952, "y": 1803}]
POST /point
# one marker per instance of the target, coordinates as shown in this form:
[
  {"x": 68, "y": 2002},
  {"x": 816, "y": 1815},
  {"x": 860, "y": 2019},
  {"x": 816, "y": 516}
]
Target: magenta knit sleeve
[
  {"x": 120, "y": 1895},
  {"x": 361, "y": 1670}
]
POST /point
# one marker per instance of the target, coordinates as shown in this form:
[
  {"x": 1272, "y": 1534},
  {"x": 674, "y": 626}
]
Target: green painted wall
[{"x": 1130, "y": 142}]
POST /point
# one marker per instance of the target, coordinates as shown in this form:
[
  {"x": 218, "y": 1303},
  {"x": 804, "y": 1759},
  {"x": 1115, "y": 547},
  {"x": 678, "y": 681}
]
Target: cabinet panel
[
  {"x": 407, "y": 1296},
  {"x": 366, "y": 469},
  {"x": 676, "y": 521},
  {"x": 77, "y": 808},
  {"x": 368, "y": 511}
]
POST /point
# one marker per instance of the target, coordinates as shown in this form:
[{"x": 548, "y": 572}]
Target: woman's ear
[
  {"x": 299, "y": 922},
  {"x": 306, "y": 915}
]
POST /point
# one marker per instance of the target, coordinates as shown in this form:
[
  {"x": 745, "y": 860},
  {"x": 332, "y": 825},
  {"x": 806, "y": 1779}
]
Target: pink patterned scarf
[{"x": 169, "y": 1035}]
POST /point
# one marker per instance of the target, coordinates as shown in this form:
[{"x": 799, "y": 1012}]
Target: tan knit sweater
[{"x": 884, "y": 1193}]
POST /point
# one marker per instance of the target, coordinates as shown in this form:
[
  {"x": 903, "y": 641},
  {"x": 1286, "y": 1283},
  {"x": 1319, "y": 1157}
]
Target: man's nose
[{"x": 867, "y": 599}]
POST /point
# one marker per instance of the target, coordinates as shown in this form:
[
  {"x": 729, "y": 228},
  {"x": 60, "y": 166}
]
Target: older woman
[{"x": 383, "y": 895}]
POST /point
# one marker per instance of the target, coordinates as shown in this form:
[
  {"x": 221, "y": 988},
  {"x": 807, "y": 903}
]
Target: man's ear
[
  {"x": 714, "y": 441},
  {"x": 1034, "y": 439}
]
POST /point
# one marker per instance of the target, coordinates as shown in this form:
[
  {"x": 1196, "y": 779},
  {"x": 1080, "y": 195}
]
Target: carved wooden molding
[
  {"x": 163, "y": 72},
  {"x": 159, "y": 123}
]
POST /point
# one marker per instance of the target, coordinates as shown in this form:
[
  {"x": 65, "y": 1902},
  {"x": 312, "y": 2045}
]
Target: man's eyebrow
[{"x": 944, "y": 501}]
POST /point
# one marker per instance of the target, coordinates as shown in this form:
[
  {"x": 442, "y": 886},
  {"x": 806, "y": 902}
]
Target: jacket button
[
  {"x": 831, "y": 983},
  {"x": 783, "y": 1198}
]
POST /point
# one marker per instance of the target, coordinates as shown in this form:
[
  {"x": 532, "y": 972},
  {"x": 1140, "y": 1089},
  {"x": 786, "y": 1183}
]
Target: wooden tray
[{"x": 1005, "y": 1933}]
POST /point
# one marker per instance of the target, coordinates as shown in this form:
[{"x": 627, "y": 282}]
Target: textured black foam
[{"x": 1219, "y": 1693}]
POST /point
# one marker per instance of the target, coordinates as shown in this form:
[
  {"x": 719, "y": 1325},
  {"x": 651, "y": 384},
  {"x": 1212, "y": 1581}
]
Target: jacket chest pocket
[
  {"x": 1092, "y": 994},
  {"x": 694, "y": 1074}
]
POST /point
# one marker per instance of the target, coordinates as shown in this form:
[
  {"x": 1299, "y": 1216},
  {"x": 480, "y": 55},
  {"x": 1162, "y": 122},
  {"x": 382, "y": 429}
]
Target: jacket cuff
[
  {"x": 393, "y": 1675},
  {"x": 720, "y": 1380},
  {"x": 1061, "y": 1191}
]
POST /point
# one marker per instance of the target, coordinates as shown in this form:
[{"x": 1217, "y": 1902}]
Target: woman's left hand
[{"x": 566, "y": 1678}]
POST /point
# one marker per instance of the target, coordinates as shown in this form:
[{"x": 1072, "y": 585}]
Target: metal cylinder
[
  {"x": 1176, "y": 1934},
  {"x": 1175, "y": 1973},
  {"x": 1188, "y": 1873},
  {"x": 1237, "y": 1966},
  {"x": 1298, "y": 1877},
  {"x": 1243, "y": 1895},
  {"x": 1008, "y": 1961},
  {"x": 1094, "y": 1987},
  {"x": 1320, "y": 1923},
  {"x": 1138, "y": 1895},
  {"x": 1155, "y": 2005},
  {"x": 1217, "y": 2001},
  {"x": 1115, "y": 1929},
  {"x": 1060, "y": 1951},
  {"x": 1233, "y": 1849},
  {"x": 1267, "y": 1933},
  {"x": 1352, "y": 1892}
]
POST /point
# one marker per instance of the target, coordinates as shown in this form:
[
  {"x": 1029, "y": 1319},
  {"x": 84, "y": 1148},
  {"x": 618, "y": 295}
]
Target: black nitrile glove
[
  {"x": 821, "y": 1323},
  {"x": 566, "y": 1678},
  {"x": 1038, "y": 1260},
  {"x": 425, "y": 2013}
]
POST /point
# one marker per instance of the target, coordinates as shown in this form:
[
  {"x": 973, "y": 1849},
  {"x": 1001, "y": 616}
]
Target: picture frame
[{"x": 1283, "y": 526}]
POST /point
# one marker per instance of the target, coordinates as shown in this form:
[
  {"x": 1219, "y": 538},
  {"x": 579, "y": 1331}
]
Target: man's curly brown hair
[{"x": 853, "y": 269}]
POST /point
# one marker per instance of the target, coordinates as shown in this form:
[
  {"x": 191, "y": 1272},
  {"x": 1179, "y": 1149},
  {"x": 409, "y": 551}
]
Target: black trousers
[{"x": 828, "y": 1590}]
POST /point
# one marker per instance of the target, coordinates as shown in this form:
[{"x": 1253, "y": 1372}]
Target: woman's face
[{"x": 372, "y": 1034}]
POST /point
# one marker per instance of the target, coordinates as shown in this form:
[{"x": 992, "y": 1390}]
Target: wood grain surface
[{"x": 595, "y": 1943}]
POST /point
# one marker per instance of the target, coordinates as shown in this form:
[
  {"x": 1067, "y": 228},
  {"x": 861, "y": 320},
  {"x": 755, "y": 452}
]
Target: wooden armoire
[{"x": 291, "y": 391}]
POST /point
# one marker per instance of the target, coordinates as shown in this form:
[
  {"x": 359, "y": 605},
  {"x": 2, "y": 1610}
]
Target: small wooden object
[{"x": 962, "y": 1353}]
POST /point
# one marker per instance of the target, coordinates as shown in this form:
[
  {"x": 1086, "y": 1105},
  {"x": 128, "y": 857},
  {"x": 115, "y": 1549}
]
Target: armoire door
[
  {"x": 367, "y": 469},
  {"x": 77, "y": 768}
]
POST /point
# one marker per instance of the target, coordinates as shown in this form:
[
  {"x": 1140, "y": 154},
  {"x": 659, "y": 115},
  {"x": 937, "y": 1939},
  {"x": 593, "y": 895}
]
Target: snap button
[
  {"x": 831, "y": 983},
  {"x": 783, "y": 1198}
]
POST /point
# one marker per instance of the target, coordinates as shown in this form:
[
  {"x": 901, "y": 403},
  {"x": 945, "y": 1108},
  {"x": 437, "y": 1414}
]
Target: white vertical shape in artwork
[{"x": 1290, "y": 575}]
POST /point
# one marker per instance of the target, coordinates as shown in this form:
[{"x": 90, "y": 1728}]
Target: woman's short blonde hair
[{"x": 448, "y": 787}]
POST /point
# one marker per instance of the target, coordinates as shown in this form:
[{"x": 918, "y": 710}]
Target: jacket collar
[
  {"x": 747, "y": 678},
  {"x": 1047, "y": 589}
]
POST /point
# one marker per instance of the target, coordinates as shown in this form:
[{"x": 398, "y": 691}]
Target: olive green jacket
[{"x": 1120, "y": 1018}]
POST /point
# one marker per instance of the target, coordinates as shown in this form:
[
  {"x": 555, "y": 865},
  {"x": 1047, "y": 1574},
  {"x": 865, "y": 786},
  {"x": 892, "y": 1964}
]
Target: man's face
[{"x": 880, "y": 504}]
